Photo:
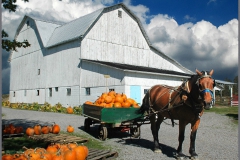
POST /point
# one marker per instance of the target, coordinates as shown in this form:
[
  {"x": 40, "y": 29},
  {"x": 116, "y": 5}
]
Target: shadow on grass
[{"x": 234, "y": 116}]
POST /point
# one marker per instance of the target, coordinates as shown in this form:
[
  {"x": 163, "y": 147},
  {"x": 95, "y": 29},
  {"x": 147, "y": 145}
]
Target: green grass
[
  {"x": 231, "y": 112},
  {"x": 92, "y": 143},
  {"x": 15, "y": 145}
]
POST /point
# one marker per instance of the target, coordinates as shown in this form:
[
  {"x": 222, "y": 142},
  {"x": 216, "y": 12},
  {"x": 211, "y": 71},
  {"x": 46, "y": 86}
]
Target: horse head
[{"x": 206, "y": 84}]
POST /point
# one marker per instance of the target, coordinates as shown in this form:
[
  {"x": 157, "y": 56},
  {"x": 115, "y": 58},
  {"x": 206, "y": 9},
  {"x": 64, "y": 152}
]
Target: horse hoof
[
  {"x": 181, "y": 158},
  {"x": 194, "y": 158},
  {"x": 157, "y": 151}
]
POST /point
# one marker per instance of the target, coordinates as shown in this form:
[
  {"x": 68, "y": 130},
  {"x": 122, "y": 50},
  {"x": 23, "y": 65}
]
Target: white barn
[{"x": 77, "y": 61}]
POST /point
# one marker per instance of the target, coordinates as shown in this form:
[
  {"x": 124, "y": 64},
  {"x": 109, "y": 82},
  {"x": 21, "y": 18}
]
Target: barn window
[
  {"x": 38, "y": 71},
  {"x": 68, "y": 91},
  {"x": 27, "y": 23},
  {"x": 145, "y": 91},
  {"x": 88, "y": 91},
  {"x": 38, "y": 92},
  {"x": 56, "y": 89},
  {"x": 14, "y": 94},
  {"x": 25, "y": 92},
  {"x": 50, "y": 92},
  {"x": 119, "y": 14},
  {"x": 111, "y": 89}
]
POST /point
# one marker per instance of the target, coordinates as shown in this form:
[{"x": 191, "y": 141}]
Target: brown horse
[{"x": 184, "y": 103}]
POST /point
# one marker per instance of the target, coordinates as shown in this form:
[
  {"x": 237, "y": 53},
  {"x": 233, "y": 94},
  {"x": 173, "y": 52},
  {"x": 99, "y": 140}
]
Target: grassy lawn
[
  {"x": 15, "y": 145},
  {"x": 231, "y": 112}
]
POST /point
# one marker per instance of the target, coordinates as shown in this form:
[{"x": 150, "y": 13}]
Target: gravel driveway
[{"x": 217, "y": 137}]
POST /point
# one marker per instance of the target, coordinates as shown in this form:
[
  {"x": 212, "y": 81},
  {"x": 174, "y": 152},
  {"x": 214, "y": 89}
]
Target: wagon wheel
[
  {"x": 103, "y": 133},
  {"x": 135, "y": 132},
  {"x": 87, "y": 124}
]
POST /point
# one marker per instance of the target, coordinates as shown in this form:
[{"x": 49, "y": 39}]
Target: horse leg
[
  {"x": 155, "y": 126},
  {"x": 194, "y": 127},
  {"x": 182, "y": 126}
]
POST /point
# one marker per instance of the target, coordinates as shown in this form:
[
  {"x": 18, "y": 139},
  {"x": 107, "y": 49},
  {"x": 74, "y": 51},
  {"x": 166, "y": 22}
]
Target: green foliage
[
  {"x": 15, "y": 145},
  {"x": 10, "y": 5},
  {"x": 231, "y": 112},
  {"x": 46, "y": 107},
  {"x": 7, "y": 44}
]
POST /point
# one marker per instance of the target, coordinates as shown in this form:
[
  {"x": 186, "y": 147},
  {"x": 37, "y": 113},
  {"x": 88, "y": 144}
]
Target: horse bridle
[{"x": 206, "y": 89}]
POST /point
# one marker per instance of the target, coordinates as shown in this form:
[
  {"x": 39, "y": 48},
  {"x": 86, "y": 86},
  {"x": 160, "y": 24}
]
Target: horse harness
[{"x": 172, "y": 101}]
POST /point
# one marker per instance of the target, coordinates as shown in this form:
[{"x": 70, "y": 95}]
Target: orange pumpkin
[
  {"x": 45, "y": 130},
  {"x": 135, "y": 105},
  {"x": 109, "y": 105},
  {"x": 51, "y": 149},
  {"x": 72, "y": 145},
  {"x": 126, "y": 104},
  {"x": 112, "y": 93},
  {"x": 124, "y": 97},
  {"x": 28, "y": 151},
  {"x": 131, "y": 101},
  {"x": 56, "y": 129},
  {"x": 30, "y": 131},
  {"x": 70, "y": 110},
  {"x": 64, "y": 147},
  {"x": 18, "y": 130},
  {"x": 7, "y": 157},
  {"x": 34, "y": 156},
  {"x": 37, "y": 129},
  {"x": 88, "y": 102},
  {"x": 50, "y": 128},
  {"x": 58, "y": 156},
  {"x": 119, "y": 99},
  {"x": 81, "y": 152},
  {"x": 108, "y": 99},
  {"x": 117, "y": 105},
  {"x": 70, "y": 129},
  {"x": 47, "y": 155},
  {"x": 19, "y": 157},
  {"x": 70, "y": 155}
]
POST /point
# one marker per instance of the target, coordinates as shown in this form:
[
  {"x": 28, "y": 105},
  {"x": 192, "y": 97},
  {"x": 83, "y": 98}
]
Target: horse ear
[
  {"x": 198, "y": 72},
  {"x": 211, "y": 72}
]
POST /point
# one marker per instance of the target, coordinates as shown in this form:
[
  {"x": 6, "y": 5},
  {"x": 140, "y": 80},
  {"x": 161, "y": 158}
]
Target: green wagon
[{"x": 123, "y": 119}]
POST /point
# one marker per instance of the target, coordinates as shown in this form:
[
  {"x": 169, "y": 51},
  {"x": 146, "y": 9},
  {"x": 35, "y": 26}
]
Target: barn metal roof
[
  {"x": 78, "y": 27},
  {"x": 127, "y": 67},
  {"x": 73, "y": 30}
]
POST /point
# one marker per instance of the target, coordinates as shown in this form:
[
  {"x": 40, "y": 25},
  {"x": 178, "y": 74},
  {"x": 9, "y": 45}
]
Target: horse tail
[{"x": 145, "y": 104}]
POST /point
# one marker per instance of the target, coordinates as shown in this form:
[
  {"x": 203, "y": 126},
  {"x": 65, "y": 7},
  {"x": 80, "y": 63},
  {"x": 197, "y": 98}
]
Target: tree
[{"x": 9, "y": 45}]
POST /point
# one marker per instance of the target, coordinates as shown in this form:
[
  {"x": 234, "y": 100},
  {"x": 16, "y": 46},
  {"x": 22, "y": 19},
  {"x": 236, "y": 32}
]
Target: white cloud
[
  {"x": 194, "y": 45},
  {"x": 189, "y": 18},
  {"x": 202, "y": 43}
]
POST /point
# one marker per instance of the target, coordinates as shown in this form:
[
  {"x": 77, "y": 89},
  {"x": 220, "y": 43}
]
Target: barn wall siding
[
  {"x": 120, "y": 40},
  {"x": 61, "y": 65},
  {"x": 96, "y": 92},
  {"x": 111, "y": 39},
  {"x": 29, "y": 33},
  {"x": 93, "y": 75},
  {"x": 31, "y": 96}
]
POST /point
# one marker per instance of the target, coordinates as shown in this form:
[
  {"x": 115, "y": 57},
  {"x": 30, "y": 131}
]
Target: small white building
[{"x": 77, "y": 61}]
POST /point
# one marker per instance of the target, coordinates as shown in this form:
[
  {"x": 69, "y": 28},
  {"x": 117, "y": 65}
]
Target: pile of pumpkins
[
  {"x": 54, "y": 151},
  {"x": 114, "y": 100},
  {"x": 11, "y": 129},
  {"x": 38, "y": 129}
]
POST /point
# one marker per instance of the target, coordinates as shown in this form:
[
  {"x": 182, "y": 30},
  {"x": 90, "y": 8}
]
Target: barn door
[{"x": 135, "y": 93}]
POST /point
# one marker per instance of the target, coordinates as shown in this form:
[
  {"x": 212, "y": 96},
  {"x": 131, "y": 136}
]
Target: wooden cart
[{"x": 122, "y": 119}]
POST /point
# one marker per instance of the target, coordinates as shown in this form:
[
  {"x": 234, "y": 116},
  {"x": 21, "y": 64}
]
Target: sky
[{"x": 198, "y": 34}]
